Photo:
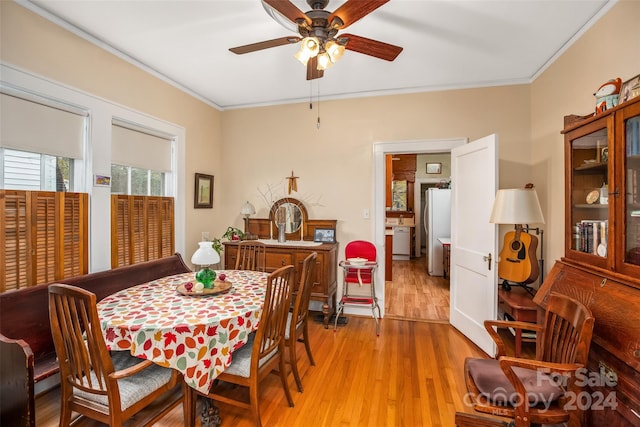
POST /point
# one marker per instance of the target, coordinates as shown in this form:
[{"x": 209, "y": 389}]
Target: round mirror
[
  {"x": 290, "y": 212},
  {"x": 289, "y": 216}
]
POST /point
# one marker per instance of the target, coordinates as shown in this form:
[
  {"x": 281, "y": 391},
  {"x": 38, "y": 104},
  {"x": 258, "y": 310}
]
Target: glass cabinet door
[
  {"x": 630, "y": 123},
  {"x": 590, "y": 157}
]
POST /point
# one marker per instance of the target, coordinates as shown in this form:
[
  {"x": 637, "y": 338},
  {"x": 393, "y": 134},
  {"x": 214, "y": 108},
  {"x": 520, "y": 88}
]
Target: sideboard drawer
[{"x": 275, "y": 260}]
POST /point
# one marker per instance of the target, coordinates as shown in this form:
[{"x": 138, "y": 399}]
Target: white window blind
[
  {"x": 29, "y": 125},
  {"x": 140, "y": 149}
]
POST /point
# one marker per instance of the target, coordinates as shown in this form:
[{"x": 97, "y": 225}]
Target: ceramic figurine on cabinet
[{"x": 607, "y": 95}]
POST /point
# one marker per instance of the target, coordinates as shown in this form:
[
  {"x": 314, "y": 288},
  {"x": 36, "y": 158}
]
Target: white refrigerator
[{"x": 437, "y": 223}]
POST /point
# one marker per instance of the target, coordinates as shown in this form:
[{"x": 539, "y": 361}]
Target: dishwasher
[{"x": 401, "y": 243}]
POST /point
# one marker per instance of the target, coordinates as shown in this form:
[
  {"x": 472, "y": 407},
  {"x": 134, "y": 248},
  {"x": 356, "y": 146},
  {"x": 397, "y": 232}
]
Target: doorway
[{"x": 409, "y": 269}]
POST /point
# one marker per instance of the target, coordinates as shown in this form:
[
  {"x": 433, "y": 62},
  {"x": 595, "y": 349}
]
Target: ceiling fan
[{"x": 321, "y": 45}]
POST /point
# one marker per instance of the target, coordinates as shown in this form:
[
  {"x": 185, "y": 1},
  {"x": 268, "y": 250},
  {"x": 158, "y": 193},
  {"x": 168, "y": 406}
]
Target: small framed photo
[
  {"x": 102, "y": 181},
  {"x": 434, "y": 167},
  {"x": 203, "y": 196},
  {"x": 629, "y": 89},
  {"x": 324, "y": 235}
]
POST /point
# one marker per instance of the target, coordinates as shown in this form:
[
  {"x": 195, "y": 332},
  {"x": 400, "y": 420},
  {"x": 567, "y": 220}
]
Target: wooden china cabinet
[{"x": 601, "y": 266}]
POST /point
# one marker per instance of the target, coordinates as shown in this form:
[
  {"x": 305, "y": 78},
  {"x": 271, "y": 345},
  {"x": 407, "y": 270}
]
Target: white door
[{"x": 474, "y": 245}]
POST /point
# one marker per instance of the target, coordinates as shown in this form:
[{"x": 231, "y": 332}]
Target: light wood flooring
[
  {"x": 411, "y": 375},
  {"x": 414, "y": 295}
]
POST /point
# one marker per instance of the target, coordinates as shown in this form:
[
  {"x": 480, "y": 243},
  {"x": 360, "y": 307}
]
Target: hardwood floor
[
  {"x": 411, "y": 375},
  {"x": 414, "y": 295}
]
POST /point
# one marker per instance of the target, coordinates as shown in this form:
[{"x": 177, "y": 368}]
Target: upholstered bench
[{"x": 24, "y": 315}]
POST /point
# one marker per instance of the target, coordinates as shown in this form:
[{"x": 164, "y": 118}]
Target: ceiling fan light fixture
[
  {"x": 311, "y": 46},
  {"x": 335, "y": 50},
  {"x": 324, "y": 61},
  {"x": 302, "y": 56}
]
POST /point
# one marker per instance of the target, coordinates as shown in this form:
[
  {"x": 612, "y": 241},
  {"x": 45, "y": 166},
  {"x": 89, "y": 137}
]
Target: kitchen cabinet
[
  {"x": 388, "y": 264},
  {"x": 401, "y": 167},
  {"x": 401, "y": 243}
]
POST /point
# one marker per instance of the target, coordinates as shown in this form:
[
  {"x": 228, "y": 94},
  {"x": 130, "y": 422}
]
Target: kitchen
[{"x": 414, "y": 269}]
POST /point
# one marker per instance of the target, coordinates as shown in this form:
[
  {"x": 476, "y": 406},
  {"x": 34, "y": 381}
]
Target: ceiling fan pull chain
[{"x": 310, "y": 94}]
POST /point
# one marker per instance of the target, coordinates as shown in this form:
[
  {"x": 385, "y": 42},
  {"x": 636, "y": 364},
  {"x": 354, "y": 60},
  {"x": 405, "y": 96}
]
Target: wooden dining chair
[
  {"x": 263, "y": 353},
  {"x": 110, "y": 388},
  {"x": 251, "y": 255},
  {"x": 297, "y": 326},
  {"x": 497, "y": 386}
]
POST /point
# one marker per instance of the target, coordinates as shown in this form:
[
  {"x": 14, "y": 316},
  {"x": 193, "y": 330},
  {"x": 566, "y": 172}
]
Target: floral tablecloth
[{"x": 195, "y": 335}]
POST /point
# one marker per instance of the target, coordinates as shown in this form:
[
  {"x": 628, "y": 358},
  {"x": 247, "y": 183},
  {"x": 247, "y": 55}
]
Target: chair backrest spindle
[
  {"x": 566, "y": 326},
  {"x": 301, "y": 306},
  {"x": 251, "y": 255},
  {"x": 273, "y": 320}
]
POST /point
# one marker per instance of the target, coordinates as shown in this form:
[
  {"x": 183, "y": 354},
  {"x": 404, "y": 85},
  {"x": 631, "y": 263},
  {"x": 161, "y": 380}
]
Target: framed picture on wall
[
  {"x": 203, "y": 195},
  {"x": 434, "y": 167}
]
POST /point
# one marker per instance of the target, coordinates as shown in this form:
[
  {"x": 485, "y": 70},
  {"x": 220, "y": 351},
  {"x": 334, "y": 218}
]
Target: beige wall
[
  {"x": 251, "y": 151},
  {"x": 335, "y": 162},
  {"x": 34, "y": 44},
  {"x": 611, "y": 48}
]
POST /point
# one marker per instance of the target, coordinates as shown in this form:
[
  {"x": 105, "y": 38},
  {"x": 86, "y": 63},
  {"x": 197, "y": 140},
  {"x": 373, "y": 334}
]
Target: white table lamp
[
  {"x": 247, "y": 210},
  {"x": 516, "y": 206},
  {"x": 204, "y": 257}
]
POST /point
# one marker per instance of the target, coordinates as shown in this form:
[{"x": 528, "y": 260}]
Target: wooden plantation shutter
[
  {"x": 13, "y": 253},
  {"x": 167, "y": 225},
  {"x": 45, "y": 237},
  {"x": 142, "y": 228}
]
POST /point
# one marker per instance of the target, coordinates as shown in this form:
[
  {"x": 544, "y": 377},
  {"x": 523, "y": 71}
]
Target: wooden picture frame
[
  {"x": 434, "y": 167},
  {"x": 626, "y": 92},
  {"x": 324, "y": 235},
  {"x": 203, "y": 192}
]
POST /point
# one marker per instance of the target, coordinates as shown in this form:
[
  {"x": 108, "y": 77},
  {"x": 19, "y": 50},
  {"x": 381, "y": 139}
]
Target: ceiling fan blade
[
  {"x": 288, "y": 10},
  {"x": 353, "y": 10},
  {"x": 312, "y": 69},
  {"x": 264, "y": 45},
  {"x": 371, "y": 47}
]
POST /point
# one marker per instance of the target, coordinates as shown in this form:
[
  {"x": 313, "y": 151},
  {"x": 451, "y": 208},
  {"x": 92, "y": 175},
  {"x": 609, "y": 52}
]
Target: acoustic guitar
[{"x": 518, "y": 262}]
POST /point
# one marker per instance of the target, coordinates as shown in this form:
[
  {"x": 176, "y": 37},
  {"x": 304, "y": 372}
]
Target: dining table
[{"x": 170, "y": 323}]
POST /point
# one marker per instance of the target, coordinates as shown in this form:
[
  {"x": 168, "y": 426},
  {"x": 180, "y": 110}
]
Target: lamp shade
[
  {"x": 516, "y": 206},
  {"x": 205, "y": 255},
  {"x": 247, "y": 209}
]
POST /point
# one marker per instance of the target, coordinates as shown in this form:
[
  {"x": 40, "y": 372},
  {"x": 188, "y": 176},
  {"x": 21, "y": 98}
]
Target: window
[
  {"x": 137, "y": 181},
  {"x": 43, "y": 224},
  {"x": 21, "y": 170},
  {"x": 52, "y": 121},
  {"x": 142, "y": 224}
]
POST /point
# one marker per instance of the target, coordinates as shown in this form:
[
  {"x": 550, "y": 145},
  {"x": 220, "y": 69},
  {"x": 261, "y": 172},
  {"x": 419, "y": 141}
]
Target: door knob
[{"x": 488, "y": 259}]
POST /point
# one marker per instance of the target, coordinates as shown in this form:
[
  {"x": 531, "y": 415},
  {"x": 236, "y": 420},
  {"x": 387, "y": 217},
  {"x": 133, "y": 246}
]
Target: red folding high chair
[{"x": 359, "y": 270}]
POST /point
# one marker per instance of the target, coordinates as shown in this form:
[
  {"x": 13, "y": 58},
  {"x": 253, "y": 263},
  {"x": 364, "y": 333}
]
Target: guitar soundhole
[{"x": 516, "y": 245}]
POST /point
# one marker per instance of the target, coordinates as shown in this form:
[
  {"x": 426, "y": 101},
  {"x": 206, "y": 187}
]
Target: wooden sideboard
[{"x": 278, "y": 255}]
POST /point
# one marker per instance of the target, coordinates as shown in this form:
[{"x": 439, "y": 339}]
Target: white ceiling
[{"x": 447, "y": 44}]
